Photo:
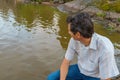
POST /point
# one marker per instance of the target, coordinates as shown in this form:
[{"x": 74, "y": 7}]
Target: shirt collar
[{"x": 93, "y": 43}]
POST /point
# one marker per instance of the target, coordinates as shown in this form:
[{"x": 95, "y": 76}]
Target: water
[{"x": 33, "y": 40}]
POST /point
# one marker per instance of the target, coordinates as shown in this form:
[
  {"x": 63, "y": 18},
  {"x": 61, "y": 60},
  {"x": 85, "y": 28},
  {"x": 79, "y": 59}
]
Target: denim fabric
[{"x": 73, "y": 74}]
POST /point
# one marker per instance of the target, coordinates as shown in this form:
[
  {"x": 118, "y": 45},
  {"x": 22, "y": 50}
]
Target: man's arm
[{"x": 64, "y": 69}]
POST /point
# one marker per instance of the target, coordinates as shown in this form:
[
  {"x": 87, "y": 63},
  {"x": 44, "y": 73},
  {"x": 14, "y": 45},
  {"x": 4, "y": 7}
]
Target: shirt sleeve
[
  {"x": 70, "y": 50},
  {"x": 107, "y": 65}
]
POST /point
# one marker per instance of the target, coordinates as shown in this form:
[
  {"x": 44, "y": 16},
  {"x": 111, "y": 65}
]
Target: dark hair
[{"x": 82, "y": 23}]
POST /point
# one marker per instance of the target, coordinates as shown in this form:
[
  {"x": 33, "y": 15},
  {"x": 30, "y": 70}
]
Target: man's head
[{"x": 80, "y": 24}]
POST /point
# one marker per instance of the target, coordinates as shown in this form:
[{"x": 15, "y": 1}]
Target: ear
[{"x": 78, "y": 35}]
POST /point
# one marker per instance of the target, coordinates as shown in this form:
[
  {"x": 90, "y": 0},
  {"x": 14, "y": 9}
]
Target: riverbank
[
  {"x": 25, "y": 25},
  {"x": 96, "y": 14},
  {"x": 108, "y": 19},
  {"x": 111, "y": 20}
]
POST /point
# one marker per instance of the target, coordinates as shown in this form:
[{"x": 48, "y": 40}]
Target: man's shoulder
[
  {"x": 72, "y": 40},
  {"x": 102, "y": 39},
  {"x": 104, "y": 43}
]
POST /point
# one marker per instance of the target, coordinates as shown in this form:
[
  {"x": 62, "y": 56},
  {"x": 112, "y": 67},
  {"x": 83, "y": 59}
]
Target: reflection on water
[
  {"x": 28, "y": 44},
  {"x": 33, "y": 40}
]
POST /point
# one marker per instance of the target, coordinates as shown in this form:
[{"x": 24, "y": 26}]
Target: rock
[
  {"x": 64, "y": 8},
  {"x": 27, "y": 1},
  {"x": 77, "y": 5},
  {"x": 58, "y": 1},
  {"x": 85, "y": 5},
  {"x": 116, "y": 78},
  {"x": 55, "y": 1},
  {"x": 112, "y": 15},
  {"x": 82, "y": 5},
  {"x": 117, "y": 29},
  {"x": 46, "y": 3},
  {"x": 117, "y": 51}
]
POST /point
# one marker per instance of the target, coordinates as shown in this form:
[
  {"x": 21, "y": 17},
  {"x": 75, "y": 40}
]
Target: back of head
[{"x": 82, "y": 23}]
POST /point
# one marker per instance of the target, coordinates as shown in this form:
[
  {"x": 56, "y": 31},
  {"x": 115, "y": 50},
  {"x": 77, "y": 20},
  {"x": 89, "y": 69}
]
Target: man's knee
[
  {"x": 50, "y": 77},
  {"x": 54, "y": 76}
]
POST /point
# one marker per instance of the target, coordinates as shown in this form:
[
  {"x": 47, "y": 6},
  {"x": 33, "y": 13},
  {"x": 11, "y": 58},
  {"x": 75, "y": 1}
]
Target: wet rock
[
  {"x": 27, "y": 1},
  {"x": 55, "y": 1},
  {"x": 117, "y": 51},
  {"x": 64, "y": 8},
  {"x": 116, "y": 78},
  {"x": 117, "y": 57},
  {"x": 46, "y": 3},
  {"x": 58, "y": 1}
]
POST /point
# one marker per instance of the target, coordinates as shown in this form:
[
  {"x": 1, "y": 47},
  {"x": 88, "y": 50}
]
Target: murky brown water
[{"x": 33, "y": 40}]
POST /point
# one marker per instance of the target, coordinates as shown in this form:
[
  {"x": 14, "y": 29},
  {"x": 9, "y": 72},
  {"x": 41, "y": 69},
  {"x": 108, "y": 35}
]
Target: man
[{"x": 95, "y": 53}]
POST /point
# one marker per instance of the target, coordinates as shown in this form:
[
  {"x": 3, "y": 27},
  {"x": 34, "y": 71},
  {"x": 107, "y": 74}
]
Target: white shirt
[{"x": 95, "y": 60}]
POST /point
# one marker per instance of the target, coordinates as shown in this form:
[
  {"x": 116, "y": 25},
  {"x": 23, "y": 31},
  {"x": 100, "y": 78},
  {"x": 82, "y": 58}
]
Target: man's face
[{"x": 75, "y": 36}]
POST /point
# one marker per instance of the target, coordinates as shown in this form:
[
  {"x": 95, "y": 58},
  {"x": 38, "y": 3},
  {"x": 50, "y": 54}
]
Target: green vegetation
[
  {"x": 37, "y": 1},
  {"x": 110, "y": 28},
  {"x": 51, "y": 0},
  {"x": 108, "y": 5},
  {"x": 101, "y": 14},
  {"x": 118, "y": 19},
  {"x": 116, "y": 6}
]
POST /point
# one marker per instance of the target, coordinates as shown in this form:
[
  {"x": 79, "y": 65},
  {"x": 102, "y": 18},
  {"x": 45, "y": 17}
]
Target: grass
[
  {"x": 106, "y": 5},
  {"x": 99, "y": 14}
]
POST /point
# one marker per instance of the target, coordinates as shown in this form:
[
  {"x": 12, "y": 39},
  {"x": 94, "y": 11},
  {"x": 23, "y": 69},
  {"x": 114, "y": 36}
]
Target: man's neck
[{"x": 86, "y": 41}]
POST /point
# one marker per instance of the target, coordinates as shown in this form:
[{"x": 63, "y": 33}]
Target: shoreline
[
  {"x": 109, "y": 19},
  {"x": 93, "y": 13}
]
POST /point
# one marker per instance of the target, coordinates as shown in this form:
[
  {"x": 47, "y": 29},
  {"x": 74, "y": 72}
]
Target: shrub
[
  {"x": 116, "y": 6},
  {"x": 99, "y": 14},
  {"x": 107, "y": 5},
  {"x": 119, "y": 19}
]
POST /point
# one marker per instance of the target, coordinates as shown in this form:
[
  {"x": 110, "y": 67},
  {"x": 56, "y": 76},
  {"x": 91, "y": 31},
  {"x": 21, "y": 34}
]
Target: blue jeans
[{"x": 73, "y": 74}]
